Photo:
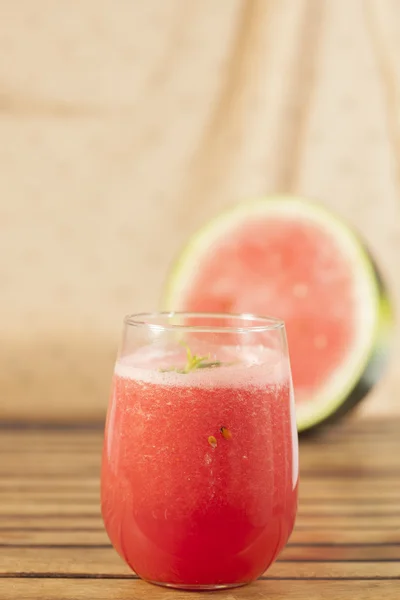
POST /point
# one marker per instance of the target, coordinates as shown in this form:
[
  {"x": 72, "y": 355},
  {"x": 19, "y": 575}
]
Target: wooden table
[{"x": 346, "y": 543}]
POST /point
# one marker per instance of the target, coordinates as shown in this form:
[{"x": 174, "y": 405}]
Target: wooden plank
[
  {"x": 340, "y": 553},
  {"x": 62, "y": 560},
  {"x": 66, "y": 533},
  {"x": 75, "y": 449},
  {"x": 105, "y": 561},
  {"x": 50, "y": 531},
  {"x": 293, "y": 552},
  {"x": 308, "y": 506},
  {"x": 350, "y": 535},
  {"x": 21, "y": 441},
  {"x": 311, "y": 489},
  {"x": 335, "y": 570},
  {"x": 55, "y": 522},
  {"x": 313, "y": 458},
  {"x": 309, "y": 494},
  {"x": 53, "y": 589},
  {"x": 19, "y": 534},
  {"x": 315, "y": 514},
  {"x": 327, "y": 516}
]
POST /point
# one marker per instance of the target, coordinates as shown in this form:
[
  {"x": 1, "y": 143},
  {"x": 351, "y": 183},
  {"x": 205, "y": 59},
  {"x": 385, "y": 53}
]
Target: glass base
[{"x": 198, "y": 587}]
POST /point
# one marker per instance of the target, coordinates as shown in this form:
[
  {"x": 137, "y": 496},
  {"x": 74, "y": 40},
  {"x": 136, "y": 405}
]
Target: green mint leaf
[{"x": 194, "y": 362}]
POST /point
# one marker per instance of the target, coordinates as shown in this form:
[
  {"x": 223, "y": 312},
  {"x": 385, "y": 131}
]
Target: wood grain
[
  {"x": 346, "y": 543},
  {"x": 81, "y": 589}
]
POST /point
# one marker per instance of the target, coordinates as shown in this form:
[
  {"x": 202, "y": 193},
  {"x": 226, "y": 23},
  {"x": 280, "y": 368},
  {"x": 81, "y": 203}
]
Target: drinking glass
[{"x": 200, "y": 459}]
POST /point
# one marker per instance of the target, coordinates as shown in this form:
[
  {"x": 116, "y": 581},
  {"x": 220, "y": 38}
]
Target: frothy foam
[{"x": 253, "y": 367}]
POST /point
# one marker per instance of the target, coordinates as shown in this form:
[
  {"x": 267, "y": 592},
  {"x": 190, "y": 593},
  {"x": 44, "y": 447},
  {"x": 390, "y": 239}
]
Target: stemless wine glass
[{"x": 200, "y": 459}]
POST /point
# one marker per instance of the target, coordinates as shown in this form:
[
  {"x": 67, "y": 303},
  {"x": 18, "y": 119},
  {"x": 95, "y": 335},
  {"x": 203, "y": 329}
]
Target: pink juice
[{"x": 199, "y": 480}]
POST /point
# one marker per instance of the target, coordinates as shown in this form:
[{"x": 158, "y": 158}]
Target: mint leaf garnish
[{"x": 194, "y": 362}]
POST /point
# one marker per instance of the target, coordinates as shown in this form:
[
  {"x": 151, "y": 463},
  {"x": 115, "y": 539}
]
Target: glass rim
[{"x": 147, "y": 320}]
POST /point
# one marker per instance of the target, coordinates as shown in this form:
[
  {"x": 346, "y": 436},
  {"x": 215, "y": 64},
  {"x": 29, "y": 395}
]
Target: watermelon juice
[{"x": 200, "y": 469}]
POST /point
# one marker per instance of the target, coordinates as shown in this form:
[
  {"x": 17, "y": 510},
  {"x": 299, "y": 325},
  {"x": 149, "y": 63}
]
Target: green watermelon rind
[{"x": 372, "y": 360}]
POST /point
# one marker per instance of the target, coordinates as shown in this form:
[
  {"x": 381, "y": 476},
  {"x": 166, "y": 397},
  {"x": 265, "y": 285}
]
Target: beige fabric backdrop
[{"x": 124, "y": 125}]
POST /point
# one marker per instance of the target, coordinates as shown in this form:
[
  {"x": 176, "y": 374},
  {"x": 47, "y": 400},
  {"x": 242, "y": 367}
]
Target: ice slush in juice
[{"x": 200, "y": 470}]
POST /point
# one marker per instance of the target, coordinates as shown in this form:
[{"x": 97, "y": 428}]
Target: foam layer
[{"x": 256, "y": 368}]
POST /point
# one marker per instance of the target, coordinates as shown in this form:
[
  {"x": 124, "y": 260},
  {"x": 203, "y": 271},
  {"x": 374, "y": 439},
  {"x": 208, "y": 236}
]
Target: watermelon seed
[
  {"x": 225, "y": 433},
  {"x": 212, "y": 441}
]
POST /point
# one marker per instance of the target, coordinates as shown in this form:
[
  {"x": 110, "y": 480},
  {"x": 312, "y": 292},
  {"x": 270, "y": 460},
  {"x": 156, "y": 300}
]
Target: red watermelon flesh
[{"x": 291, "y": 268}]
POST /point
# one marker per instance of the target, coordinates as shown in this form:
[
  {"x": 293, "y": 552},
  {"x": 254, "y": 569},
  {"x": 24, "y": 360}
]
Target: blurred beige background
[{"x": 125, "y": 125}]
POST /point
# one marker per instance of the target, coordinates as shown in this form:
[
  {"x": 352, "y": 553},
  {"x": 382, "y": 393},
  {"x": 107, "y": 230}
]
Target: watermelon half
[{"x": 291, "y": 258}]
